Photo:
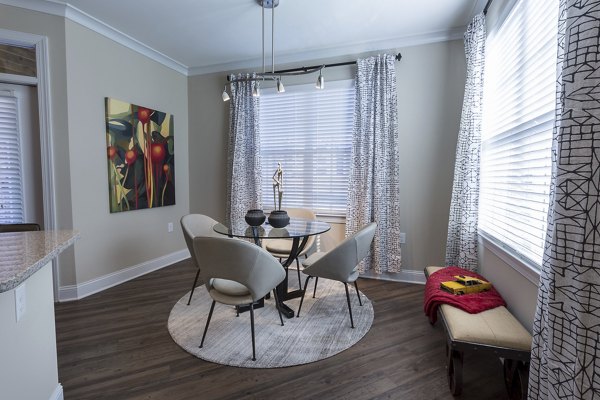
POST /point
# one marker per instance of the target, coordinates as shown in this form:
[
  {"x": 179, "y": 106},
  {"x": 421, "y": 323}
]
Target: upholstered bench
[{"x": 494, "y": 331}]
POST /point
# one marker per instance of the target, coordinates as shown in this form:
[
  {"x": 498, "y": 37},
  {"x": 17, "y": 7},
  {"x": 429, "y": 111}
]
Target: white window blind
[
  {"x": 518, "y": 116},
  {"x": 310, "y": 132},
  {"x": 11, "y": 194}
]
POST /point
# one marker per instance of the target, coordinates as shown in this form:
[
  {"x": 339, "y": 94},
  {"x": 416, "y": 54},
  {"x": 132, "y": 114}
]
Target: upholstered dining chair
[
  {"x": 340, "y": 263},
  {"x": 194, "y": 225},
  {"x": 281, "y": 248},
  {"x": 237, "y": 273}
]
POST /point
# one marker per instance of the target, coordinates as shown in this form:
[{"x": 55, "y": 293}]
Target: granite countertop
[{"x": 23, "y": 253}]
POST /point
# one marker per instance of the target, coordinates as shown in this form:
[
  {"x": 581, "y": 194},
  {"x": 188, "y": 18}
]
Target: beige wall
[
  {"x": 519, "y": 293},
  {"x": 86, "y": 67},
  {"x": 97, "y": 68},
  {"x": 209, "y": 124},
  {"x": 430, "y": 80}
]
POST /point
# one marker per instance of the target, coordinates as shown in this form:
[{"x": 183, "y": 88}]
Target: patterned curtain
[
  {"x": 565, "y": 356},
  {"x": 461, "y": 245},
  {"x": 373, "y": 190},
  {"x": 243, "y": 159}
]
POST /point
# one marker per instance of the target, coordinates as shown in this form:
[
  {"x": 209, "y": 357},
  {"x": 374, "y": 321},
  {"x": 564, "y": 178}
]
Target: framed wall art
[{"x": 140, "y": 155}]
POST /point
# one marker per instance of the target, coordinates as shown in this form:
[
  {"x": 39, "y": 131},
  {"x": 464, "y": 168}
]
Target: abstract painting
[{"x": 141, "y": 158}]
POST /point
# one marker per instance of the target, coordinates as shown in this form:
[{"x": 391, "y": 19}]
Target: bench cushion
[{"x": 495, "y": 327}]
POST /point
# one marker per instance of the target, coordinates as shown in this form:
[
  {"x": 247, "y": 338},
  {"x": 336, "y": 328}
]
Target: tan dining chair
[
  {"x": 237, "y": 273},
  {"x": 281, "y": 248},
  {"x": 195, "y": 225},
  {"x": 340, "y": 263}
]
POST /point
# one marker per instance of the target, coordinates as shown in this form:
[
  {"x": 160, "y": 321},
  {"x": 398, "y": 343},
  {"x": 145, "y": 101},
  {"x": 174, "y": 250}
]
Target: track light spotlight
[
  {"x": 225, "y": 96},
  {"x": 280, "y": 87},
  {"x": 320, "y": 81},
  {"x": 256, "y": 90}
]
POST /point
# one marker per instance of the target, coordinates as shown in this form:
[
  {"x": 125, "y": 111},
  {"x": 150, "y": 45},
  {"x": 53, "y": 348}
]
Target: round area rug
[{"x": 322, "y": 330}]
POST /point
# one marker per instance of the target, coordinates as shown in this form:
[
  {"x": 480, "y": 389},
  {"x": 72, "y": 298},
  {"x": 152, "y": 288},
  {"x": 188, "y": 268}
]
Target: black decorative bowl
[
  {"x": 279, "y": 219},
  {"x": 255, "y": 217}
]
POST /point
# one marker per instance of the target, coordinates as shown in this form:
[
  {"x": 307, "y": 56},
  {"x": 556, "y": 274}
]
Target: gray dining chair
[
  {"x": 237, "y": 273},
  {"x": 281, "y": 248},
  {"x": 340, "y": 263},
  {"x": 195, "y": 225}
]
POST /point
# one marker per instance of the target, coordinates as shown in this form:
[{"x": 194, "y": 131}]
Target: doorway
[{"x": 40, "y": 82}]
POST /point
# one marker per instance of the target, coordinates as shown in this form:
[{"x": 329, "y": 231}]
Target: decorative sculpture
[
  {"x": 278, "y": 186},
  {"x": 278, "y": 218}
]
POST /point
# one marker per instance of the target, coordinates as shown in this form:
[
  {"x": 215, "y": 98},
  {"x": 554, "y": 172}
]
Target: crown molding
[
  {"x": 47, "y": 7},
  {"x": 76, "y": 15},
  {"x": 325, "y": 53}
]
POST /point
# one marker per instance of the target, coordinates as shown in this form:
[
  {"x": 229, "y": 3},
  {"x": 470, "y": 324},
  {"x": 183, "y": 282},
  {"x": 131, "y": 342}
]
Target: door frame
[{"x": 42, "y": 82}]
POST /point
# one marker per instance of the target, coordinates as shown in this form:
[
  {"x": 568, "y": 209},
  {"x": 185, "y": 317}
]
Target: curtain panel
[
  {"x": 243, "y": 158},
  {"x": 373, "y": 192},
  {"x": 461, "y": 244},
  {"x": 565, "y": 357}
]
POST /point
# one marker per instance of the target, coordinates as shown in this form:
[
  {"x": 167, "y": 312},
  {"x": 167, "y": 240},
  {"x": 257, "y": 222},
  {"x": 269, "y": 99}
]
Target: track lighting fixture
[
  {"x": 271, "y": 75},
  {"x": 320, "y": 81},
  {"x": 274, "y": 75},
  {"x": 225, "y": 95},
  {"x": 256, "y": 90}
]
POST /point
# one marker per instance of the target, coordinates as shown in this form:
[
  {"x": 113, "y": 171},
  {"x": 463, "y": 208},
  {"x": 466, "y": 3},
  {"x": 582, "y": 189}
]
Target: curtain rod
[
  {"x": 300, "y": 70},
  {"x": 398, "y": 58},
  {"x": 487, "y": 6}
]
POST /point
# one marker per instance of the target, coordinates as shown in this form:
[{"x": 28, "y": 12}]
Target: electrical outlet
[
  {"x": 170, "y": 227},
  {"x": 20, "y": 301},
  {"x": 402, "y": 237}
]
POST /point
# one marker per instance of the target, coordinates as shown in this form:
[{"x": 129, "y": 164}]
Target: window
[
  {"x": 11, "y": 193},
  {"x": 310, "y": 132},
  {"x": 518, "y": 117},
  {"x": 11, "y": 196}
]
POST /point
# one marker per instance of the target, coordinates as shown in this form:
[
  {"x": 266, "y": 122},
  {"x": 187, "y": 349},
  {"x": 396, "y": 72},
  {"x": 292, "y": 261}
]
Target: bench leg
[
  {"x": 516, "y": 379},
  {"x": 455, "y": 364}
]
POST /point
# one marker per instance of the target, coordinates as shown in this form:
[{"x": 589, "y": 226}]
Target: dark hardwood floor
[{"x": 115, "y": 345}]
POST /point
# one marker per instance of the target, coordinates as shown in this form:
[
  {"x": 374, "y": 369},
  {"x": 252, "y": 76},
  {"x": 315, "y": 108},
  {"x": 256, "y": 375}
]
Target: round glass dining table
[{"x": 298, "y": 231}]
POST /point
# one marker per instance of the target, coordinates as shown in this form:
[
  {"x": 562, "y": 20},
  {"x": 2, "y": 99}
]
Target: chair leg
[
  {"x": 212, "y": 307},
  {"x": 194, "y": 286},
  {"x": 303, "y": 293},
  {"x": 315, "y": 289},
  {"x": 277, "y": 305},
  {"x": 357, "y": 293},
  {"x": 252, "y": 329},
  {"x": 299, "y": 279},
  {"x": 349, "y": 306}
]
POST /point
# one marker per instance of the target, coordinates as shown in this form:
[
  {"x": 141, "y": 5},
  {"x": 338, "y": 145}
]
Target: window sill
[
  {"x": 332, "y": 219},
  {"x": 521, "y": 265}
]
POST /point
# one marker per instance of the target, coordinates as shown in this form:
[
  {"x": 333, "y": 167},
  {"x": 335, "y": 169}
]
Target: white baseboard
[
  {"x": 58, "y": 393},
  {"x": 406, "y": 276},
  {"x": 79, "y": 291}
]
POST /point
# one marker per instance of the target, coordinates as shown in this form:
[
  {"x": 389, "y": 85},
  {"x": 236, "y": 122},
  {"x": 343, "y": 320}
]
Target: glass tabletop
[{"x": 298, "y": 227}]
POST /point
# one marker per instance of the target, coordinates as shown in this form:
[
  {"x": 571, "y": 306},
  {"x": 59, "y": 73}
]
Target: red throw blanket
[{"x": 472, "y": 303}]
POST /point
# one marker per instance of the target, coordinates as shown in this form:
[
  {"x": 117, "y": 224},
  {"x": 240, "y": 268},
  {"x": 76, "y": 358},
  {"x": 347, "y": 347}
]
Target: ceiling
[{"x": 215, "y": 35}]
